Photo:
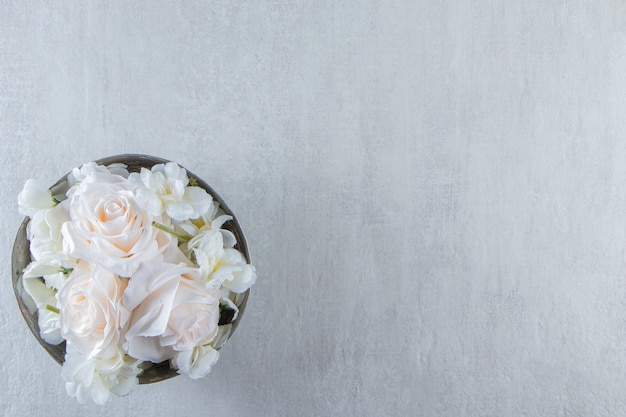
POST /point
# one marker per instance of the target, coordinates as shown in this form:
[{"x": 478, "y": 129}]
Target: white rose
[
  {"x": 164, "y": 189},
  {"x": 44, "y": 230},
  {"x": 109, "y": 228},
  {"x": 35, "y": 196},
  {"x": 171, "y": 310},
  {"x": 197, "y": 362},
  {"x": 194, "y": 316},
  {"x": 92, "y": 379},
  {"x": 91, "y": 315}
]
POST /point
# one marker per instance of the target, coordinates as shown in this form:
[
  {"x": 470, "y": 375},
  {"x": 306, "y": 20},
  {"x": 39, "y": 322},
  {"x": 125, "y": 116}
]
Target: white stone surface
[{"x": 434, "y": 193}]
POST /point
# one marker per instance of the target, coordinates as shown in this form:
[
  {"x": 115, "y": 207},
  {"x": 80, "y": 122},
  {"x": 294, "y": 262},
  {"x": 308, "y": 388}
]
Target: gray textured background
[{"x": 434, "y": 193}]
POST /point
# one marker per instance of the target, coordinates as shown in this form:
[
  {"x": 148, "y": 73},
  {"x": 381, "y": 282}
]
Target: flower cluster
[{"x": 130, "y": 269}]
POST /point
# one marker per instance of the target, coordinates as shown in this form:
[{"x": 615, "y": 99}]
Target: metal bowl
[{"x": 21, "y": 258}]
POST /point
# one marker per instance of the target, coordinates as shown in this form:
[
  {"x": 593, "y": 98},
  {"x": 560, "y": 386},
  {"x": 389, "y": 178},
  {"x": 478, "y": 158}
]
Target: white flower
[
  {"x": 41, "y": 294},
  {"x": 197, "y": 362},
  {"x": 48, "y": 316},
  {"x": 194, "y": 317},
  {"x": 44, "y": 230},
  {"x": 208, "y": 248},
  {"x": 79, "y": 174},
  {"x": 193, "y": 226},
  {"x": 164, "y": 188},
  {"x": 171, "y": 310},
  {"x": 35, "y": 196},
  {"x": 49, "y": 326},
  {"x": 233, "y": 272},
  {"x": 91, "y": 315},
  {"x": 92, "y": 379},
  {"x": 52, "y": 269},
  {"x": 221, "y": 265},
  {"x": 109, "y": 228}
]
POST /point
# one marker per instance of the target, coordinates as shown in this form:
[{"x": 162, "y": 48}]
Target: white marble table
[{"x": 434, "y": 193}]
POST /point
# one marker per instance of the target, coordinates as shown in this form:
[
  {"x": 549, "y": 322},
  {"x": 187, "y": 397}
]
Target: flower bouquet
[{"x": 133, "y": 271}]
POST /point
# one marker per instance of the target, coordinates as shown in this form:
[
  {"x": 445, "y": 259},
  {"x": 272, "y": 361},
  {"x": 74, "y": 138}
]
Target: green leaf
[
  {"x": 52, "y": 308},
  {"x": 178, "y": 233}
]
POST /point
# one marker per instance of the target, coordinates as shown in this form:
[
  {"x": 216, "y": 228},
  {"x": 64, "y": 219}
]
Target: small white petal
[
  {"x": 39, "y": 292},
  {"x": 197, "y": 362},
  {"x": 49, "y": 326},
  {"x": 231, "y": 305},
  {"x": 233, "y": 272},
  {"x": 174, "y": 171},
  {"x": 199, "y": 200},
  {"x": 118, "y": 169},
  {"x": 179, "y": 211},
  {"x": 35, "y": 196},
  {"x": 93, "y": 379},
  {"x": 220, "y": 220}
]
